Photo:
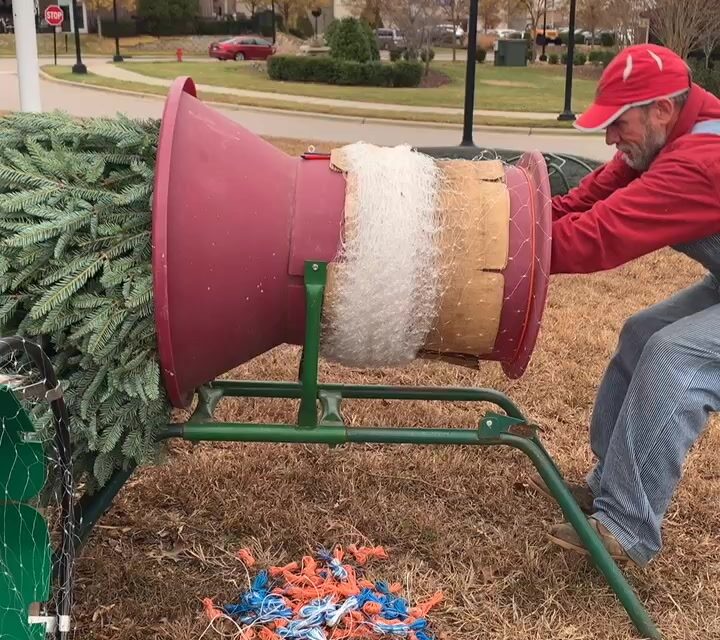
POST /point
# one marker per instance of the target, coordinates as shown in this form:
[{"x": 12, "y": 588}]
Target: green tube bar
[{"x": 259, "y": 389}]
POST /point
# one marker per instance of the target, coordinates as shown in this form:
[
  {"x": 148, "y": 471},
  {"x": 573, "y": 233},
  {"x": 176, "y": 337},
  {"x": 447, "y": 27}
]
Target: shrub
[
  {"x": 330, "y": 31},
  {"x": 407, "y": 74},
  {"x": 480, "y": 54},
  {"x": 708, "y": 79},
  {"x": 410, "y": 54},
  {"x": 396, "y": 54},
  {"x": 344, "y": 72},
  {"x": 304, "y": 27},
  {"x": 579, "y": 58},
  {"x": 372, "y": 41},
  {"x": 424, "y": 53},
  {"x": 607, "y": 39},
  {"x": 553, "y": 58},
  {"x": 349, "y": 41},
  {"x": 601, "y": 57}
]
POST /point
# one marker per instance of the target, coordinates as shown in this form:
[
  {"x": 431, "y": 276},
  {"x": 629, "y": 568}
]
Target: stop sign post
[{"x": 54, "y": 16}]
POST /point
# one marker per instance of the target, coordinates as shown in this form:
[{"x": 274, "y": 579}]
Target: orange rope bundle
[{"x": 324, "y": 597}]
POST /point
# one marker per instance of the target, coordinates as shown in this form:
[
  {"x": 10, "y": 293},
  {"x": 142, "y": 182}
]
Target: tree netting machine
[{"x": 314, "y": 262}]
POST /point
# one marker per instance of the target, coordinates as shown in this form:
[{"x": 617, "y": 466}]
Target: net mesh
[
  {"x": 440, "y": 257},
  {"x": 37, "y": 531}
]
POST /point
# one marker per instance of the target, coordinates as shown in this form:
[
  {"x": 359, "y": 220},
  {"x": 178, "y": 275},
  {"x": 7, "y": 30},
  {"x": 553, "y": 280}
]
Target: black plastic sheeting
[{"x": 565, "y": 171}]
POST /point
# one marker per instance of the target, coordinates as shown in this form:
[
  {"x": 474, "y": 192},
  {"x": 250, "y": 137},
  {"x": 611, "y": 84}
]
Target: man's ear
[{"x": 664, "y": 110}]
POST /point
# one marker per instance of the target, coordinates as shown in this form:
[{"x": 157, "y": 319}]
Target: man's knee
[{"x": 637, "y": 331}]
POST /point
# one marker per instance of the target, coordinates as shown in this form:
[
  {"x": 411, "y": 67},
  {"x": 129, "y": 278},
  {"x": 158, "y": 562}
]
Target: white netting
[
  {"x": 391, "y": 238},
  {"x": 37, "y": 534},
  {"x": 429, "y": 258}
]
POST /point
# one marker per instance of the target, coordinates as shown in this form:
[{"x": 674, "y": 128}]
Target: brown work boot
[
  {"x": 565, "y": 536},
  {"x": 581, "y": 492}
]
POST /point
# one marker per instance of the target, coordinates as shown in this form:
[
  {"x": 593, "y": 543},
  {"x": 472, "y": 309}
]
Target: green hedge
[
  {"x": 579, "y": 58},
  {"x": 344, "y": 72},
  {"x": 709, "y": 79},
  {"x": 601, "y": 57}
]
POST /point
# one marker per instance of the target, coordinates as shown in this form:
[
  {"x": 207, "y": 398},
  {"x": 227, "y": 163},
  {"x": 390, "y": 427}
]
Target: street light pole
[
  {"x": 272, "y": 5},
  {"x": 78, "y": 67},
  {"x": 543, "y": 57},
  {"x": 567, "y": 113},
  {"x": 117, "y": 57},
  {"x": 467, "y": 139}
]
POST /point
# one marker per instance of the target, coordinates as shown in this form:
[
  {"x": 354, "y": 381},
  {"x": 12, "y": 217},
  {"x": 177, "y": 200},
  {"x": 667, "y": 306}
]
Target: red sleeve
[
  {"x": 674, "y": 202},
  {"x": 597, "y": 185}
]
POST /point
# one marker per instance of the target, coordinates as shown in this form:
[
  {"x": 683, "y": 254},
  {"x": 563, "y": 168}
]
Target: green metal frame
[{"x": 320, "y": 421}]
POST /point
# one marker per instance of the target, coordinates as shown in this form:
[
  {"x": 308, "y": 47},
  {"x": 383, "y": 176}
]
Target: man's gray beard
[{"x": 652, "y": 145}]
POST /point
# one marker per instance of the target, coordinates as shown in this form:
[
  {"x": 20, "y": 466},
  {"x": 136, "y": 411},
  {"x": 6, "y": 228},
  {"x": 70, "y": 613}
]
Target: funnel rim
[
  {"x": 534, "y": 166},
  {"x": 161, "y": 188}
]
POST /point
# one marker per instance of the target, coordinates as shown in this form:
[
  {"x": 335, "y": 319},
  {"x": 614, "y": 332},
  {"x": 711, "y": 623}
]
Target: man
[{"x": 662, "y": 189}]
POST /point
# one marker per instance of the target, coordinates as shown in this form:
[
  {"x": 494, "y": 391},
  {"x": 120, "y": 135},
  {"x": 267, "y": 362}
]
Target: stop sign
[{"x": 54, "y": 15}]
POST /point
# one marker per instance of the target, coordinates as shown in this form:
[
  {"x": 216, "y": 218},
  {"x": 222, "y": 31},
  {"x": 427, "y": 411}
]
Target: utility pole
[
  {"x": 567, "y": 114},
  {"x": 26, "y": 53}
]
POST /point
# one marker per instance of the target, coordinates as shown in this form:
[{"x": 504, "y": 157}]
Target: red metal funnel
[{"x": 235, "y": 219}]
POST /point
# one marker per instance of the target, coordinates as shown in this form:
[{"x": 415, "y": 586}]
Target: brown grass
[{"x": 457, "y": 520}]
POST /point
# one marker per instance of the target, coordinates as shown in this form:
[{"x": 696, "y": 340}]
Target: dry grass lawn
[{"x": 453, "y": 519}]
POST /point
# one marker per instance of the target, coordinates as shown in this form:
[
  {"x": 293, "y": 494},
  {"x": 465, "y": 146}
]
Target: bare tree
[
  {"x": 489, "y": 11},
  {"x": 679, "y": 23},
  {"x": 255, "y": 6},
  {"x": 291, "y": 9},
  {"x": 709, "y": 37},
  {"x": 625, "y": 18},
  {"x": 454, "y": 11},
  {"x": 416, "y": 19},
  {"x": 592, "y": 14},
  {"x": 534, "y": 9}
]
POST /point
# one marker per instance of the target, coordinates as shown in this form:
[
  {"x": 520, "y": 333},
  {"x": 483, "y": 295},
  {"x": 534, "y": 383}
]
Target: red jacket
[{"x": 617, "y": 214}]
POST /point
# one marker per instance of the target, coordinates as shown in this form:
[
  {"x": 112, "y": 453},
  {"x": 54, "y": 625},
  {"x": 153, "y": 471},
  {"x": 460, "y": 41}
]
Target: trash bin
[{"x": 511, "y": 53}]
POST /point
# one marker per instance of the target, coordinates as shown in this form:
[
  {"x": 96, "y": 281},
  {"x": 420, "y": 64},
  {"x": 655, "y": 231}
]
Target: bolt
[
  {"x": 488, "y": 423},
  {"x": 315, "y": 267}
]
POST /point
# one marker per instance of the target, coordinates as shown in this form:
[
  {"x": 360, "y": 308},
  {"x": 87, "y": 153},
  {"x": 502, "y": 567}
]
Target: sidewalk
[{"x": 123, "y": 73}]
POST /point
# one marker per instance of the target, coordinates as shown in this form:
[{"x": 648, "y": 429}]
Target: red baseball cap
[{"x": 637, "y": 75}]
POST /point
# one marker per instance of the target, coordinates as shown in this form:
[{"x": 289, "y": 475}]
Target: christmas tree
[{"x": 75, "y": 272}]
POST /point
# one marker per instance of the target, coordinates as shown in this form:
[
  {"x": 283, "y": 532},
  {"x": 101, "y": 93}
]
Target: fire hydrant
[{"x": 178, "y": 54}]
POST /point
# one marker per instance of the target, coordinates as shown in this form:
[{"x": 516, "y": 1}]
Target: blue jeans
[{"x": 652, "y": 405}]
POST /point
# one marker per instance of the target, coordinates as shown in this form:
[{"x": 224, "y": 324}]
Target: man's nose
[{"x": 611, "y": 136}]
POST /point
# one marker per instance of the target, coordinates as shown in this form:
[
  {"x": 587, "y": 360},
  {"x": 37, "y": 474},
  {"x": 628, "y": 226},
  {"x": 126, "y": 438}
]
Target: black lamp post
[
  {"x": 272, "y": 6},
  {"x": 78, "y": 67},
  {"x": 317, "y": 12},
  {"x": 543, "y": 56},
  {"x": 567, "y": 113},
  {"x": 117, "y": 57},
  {"x": 467, "y": 139}
]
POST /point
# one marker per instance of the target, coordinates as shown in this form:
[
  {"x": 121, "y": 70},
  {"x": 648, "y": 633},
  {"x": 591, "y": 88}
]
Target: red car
[{"x": 242, "y": 48}]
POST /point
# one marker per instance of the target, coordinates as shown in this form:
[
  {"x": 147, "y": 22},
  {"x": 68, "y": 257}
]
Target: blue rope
[{"x": 335, "y": 565}]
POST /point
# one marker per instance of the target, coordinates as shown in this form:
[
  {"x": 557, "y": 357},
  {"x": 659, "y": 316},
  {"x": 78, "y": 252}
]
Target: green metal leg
[{"x": 602, "y": 559}]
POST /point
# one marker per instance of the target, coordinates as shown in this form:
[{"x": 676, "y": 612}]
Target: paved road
[{"x": 82, "y": 101}]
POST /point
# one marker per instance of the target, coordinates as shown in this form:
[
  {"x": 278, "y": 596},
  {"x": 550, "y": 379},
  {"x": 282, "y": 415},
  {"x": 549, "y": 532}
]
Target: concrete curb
[{"x": 357, "y": 119}]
